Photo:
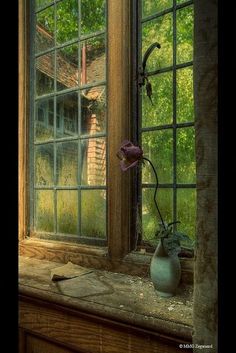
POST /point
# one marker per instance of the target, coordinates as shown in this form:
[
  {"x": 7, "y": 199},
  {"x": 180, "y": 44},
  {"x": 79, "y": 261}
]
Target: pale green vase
[{"x": 165, "y": 272}]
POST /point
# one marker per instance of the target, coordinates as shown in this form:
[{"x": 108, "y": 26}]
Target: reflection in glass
[
  {"x": 158, "y": 30},
  {"x": 67, "y": 67},
  {"x": 93, "y": 60},
  {"x": 161, "y": 112},
  {"x": 93, "y": 110},
  {"x": 67, "y": 20},
  {"x": 44, "y": 120},
  {"x": 186, "y": 165},
  {"x": 67, "y": 163},
  {"x": 93, "y": 153},
  {"x": 184, "y": 104},
  {"x": 67, "y": 115},
  {"x": 92, "y": 16},
  {"x": 44, "y": 211},
  {"x": 150, "y": 217},
  {"x": 93, "y": 213},
  {"x": 186, "y": 211},
  {"x": 151, "y": 7},
  {"x": 44, "y": 158},
  {"x": 157, "y": 146},
  {"x": 44, "y": 30},
  {"x": 180, "y": 1},
  {"x": 44, "y": 74},
  {"x": 67, "y": 211},
  {"x": 184, "y": 35}
]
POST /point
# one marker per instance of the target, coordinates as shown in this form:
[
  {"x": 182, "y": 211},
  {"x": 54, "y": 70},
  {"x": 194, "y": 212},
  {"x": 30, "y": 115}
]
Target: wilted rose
[{"x": 129, "y": 154}]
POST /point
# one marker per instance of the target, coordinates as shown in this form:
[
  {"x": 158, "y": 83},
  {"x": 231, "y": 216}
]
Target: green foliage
[
  {"x": 158, "y": 145},
  {"x": 92, "y": 16},
  {"x": 171, "y": 239},
  {"x": 150, "y": 7}
]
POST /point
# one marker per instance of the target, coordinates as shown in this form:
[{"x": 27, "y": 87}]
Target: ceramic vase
[{"x": 165, "y": 272}]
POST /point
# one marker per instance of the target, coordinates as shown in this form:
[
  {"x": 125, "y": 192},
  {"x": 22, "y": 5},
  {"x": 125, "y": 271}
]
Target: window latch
[{"x": 142, "y": 75}]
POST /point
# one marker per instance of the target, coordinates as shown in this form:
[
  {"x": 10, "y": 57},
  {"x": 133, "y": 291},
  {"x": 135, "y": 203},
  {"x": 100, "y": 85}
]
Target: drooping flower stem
[{"x": 155, "y": 193}]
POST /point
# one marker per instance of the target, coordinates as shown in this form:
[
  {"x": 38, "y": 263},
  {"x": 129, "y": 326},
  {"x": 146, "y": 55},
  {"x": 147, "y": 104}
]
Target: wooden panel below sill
[{"x": 85, "y": 335}]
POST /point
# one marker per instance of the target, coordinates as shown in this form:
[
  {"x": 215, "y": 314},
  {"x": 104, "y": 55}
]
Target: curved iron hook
[
  {"x": 148, "y": 52},
  {"x": 142, "y": 74}
]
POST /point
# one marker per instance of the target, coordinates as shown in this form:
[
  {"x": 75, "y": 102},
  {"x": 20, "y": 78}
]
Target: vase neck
[{"x": 160, "y": 250}]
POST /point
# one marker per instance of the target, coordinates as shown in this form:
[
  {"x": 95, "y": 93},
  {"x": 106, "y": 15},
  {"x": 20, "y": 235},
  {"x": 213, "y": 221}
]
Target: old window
[{"x": 81, "y": 100}]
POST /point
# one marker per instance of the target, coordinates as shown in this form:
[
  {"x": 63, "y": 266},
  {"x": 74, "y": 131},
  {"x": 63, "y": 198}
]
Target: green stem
[{"x": 155, "y": 193}]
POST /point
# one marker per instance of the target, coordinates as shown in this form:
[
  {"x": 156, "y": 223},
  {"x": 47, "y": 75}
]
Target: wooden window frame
[{"x": 117, "y": 256}]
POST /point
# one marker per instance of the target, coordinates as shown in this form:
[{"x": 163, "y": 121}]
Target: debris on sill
[{"x": 68, "y": 271}]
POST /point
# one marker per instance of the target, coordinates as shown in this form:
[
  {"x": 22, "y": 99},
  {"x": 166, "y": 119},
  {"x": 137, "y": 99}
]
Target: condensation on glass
[
  {"x": 69, "y": 119},
  {"x": 167, "y": 126}
]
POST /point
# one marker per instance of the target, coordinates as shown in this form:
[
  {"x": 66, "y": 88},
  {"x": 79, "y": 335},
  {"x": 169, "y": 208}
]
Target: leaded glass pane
[
  {"x": 93, "y": 213},
  {"x": 67, "y": 115},
  {"x": 44, "y": 120},
  {"x": 66, "y": 21},
  {"x": 93, "y": 152},
  {"x": 44, "y": 161},
  {"x": 93, "y": 16},
  {"x": 67, "y": 163},
  {"x": 161, "y": 111},
  {"x": 44, "y": 210},
  {"x": 158, "y": 30},
  {"x": 157, "y": 146},
  {"x": 67, "y": 211},
  {"x": 93, "y": 110}
]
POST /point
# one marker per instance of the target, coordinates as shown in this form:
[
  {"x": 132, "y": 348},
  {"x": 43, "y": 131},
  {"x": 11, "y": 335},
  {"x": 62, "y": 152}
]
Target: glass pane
[
  {"x": 44, "y": 158},
  {"x": 186, "y": 211},
  {"x": 186, "y": 165},
  {"x": 67, "y": 211},
  {"x": 150, "y": 216},
  {"x": 93, "y": 60},
  {"x": 161, "y": 112},
  {"x": 184, "y": 105},
  {"x": 67, "y": 67},
  {"x": 93, "y": 110},
  {"x": 44, "y": 120},
  {"x": 158, "y": 30},
  {"x": 45, "y": 74},
  {"x": 93, "y": 153},
  {"x": 67, "y": 163},
  {"x": 93, "y": 213},
  {"x": 44, "y": 30},
  {"x": 93, "y": 16},
  {"x": 67, "y": 20},
  {"x": 180, "y": 1},
  {"x": 151, "y": 7},
  {"x": 157, "y": 146},
  {"x": 41, "y": 3},
  {"x": 184, "y": 35},
  {"x": 44, "y": 211},
  {"x": 67, "y": 115}
]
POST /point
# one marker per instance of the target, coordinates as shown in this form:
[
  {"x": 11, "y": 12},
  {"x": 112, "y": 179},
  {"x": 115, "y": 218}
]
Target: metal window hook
[{"x": 142, "y": 73}]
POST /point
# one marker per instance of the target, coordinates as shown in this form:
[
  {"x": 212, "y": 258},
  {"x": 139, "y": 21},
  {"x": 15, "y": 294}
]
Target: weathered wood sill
[{"x": 119, "y": 298}]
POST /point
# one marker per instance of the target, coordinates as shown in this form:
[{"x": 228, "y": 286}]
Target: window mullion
[{"x": 119, "y": 195}]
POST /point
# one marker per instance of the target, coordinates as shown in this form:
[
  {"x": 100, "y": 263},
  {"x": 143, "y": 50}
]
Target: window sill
[
  {"x": 122, "y": 298},
  {"x": 134, "y": 263}
]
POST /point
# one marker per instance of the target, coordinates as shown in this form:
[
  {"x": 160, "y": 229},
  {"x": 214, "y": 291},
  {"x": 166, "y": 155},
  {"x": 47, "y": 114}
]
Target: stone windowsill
[{"x": 120, "y": 297}]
